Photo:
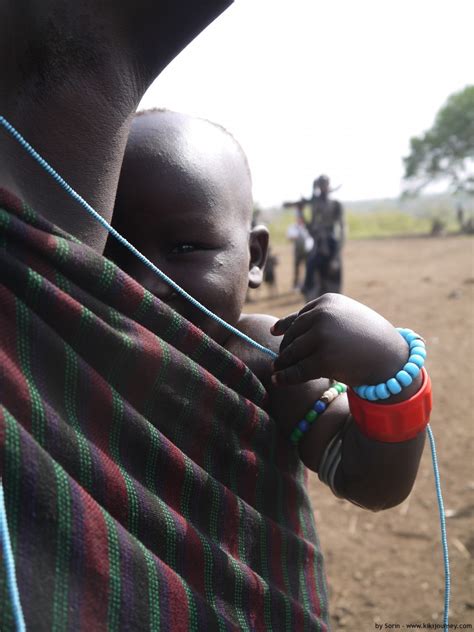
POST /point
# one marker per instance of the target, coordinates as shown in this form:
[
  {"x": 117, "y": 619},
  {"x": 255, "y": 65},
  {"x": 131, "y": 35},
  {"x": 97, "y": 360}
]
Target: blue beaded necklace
[{"x": 4, "y": 533}]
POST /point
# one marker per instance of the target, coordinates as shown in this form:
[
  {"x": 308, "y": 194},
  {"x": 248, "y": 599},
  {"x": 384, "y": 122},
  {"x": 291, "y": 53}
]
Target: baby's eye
[{"x": 182, "y": 249}]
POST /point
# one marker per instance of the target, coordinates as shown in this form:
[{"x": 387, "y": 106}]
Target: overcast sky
[{"x": 324, "y": 86}]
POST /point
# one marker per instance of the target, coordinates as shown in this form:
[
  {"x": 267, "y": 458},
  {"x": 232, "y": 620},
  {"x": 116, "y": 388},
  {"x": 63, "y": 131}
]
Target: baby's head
[{"x": 185, "y": 201}]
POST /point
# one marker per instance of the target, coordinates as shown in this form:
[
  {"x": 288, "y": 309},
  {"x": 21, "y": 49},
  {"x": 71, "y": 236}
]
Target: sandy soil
[{"x": 387, "y": 568}]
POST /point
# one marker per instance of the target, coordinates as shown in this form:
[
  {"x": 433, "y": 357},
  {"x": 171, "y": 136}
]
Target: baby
[{"x": 185, "y": 201}]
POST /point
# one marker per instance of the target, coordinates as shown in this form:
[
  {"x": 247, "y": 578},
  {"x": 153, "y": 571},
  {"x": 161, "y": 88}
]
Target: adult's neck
[
  {"x": 79, "y": 123},
  {"x": 82, "y": 134}
]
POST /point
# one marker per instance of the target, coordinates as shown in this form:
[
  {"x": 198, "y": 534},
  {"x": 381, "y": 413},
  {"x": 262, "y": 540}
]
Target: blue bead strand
[
  {"x": 404, "y": 377},
  {"x": 9, "y": 563}
]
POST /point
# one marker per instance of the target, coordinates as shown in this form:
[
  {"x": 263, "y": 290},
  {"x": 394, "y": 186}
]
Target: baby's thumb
[{"x": 281, "y": 326}]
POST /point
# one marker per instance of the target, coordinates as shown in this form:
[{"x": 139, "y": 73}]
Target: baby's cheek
[
  {"x": 140, "y": 272},
  {"x": 228, "y": 296}
]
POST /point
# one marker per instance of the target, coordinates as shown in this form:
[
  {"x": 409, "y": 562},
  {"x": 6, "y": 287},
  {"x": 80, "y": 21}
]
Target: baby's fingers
[
  {"x": 294, "y": 352},
  {"x": 297, "y": 373},
  {"x": 298, "y": 327},
  {"x": 279, "y": 328}
]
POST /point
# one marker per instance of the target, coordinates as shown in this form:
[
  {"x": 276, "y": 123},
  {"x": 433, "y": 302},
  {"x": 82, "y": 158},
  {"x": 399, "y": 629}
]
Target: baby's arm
[{"x": 338, "y": 337}]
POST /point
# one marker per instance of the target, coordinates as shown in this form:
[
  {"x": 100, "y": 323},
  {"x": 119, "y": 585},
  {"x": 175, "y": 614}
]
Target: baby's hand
[{"x": 337, "y": 337}]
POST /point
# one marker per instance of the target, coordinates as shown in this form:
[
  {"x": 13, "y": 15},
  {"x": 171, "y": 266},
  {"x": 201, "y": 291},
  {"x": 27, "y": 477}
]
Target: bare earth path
[{"x": 386, "y": 568}]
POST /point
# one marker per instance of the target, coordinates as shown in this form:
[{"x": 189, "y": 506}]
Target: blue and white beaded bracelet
[{"x": 404, "y": 377}]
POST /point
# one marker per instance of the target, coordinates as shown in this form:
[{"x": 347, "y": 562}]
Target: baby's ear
[{"x": 258, "y": 246}]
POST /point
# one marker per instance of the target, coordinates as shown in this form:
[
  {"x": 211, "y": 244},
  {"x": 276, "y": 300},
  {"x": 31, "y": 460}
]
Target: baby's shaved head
[
  {"x": 165, "y": 112},
  {"x": 170, "y": 155}
]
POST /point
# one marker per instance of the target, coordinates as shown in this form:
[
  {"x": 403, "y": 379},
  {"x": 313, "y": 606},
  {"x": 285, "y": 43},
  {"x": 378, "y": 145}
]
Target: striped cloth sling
[{"x": 146, "y": 486}]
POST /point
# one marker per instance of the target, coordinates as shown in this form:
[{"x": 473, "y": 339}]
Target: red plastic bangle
[{"x": 393, "y": 422}]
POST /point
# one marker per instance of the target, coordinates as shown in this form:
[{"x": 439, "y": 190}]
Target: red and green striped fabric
[{"x": 146, "y": 486}]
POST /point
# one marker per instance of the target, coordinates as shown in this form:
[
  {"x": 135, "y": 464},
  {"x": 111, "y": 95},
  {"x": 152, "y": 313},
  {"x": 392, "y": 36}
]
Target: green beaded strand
[{"x": 322, "y": 403}]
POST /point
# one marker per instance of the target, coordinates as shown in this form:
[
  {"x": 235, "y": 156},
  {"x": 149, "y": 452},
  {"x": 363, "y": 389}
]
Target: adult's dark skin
[{"x": 73, "y": 73}]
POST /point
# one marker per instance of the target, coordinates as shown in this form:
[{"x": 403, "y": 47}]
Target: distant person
[
  {"x": 302, "y": 244},
  {"x": 269, "y": 273},
  {"x": 460, "y": 216},
  {"x": 438, "y": 227},
  {"x": 466, "y": 224},
  {"x": 256, "y": 213},
  {"x": 327, "y": 228},
  {"x": 324, "y": 263}
]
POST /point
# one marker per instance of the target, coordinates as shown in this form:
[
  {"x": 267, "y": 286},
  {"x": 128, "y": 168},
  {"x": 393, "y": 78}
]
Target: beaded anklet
[
  {"x": 393, "y": 386},
  {"x": 318, "y": 408}
]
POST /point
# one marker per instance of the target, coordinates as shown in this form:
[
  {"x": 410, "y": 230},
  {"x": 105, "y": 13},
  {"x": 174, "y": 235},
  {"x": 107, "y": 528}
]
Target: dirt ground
[{"x": 387, "y": 568}]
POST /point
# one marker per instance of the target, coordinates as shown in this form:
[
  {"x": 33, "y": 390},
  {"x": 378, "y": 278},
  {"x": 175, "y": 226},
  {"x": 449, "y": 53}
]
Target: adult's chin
[{"x": 170, "y": 27}]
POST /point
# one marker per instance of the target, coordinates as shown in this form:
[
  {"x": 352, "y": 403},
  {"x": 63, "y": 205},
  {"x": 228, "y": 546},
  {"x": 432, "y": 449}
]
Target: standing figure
[
  {"x": 302, "y": 243},
  {"x": 324, "y": 263},
  {"x": 269, "y": 273}
]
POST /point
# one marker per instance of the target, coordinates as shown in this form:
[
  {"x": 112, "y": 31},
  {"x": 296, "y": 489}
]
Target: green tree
[{"x": 446, "y": 151}]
